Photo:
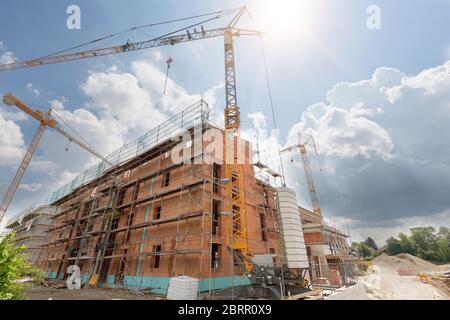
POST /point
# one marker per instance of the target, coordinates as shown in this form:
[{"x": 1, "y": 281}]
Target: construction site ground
[
  {"x": 41, "y": 292},
  {"x": 397, "y": 278},
  {"x": 389, "y": 278}
]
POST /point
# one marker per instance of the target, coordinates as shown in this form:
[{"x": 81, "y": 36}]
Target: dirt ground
[
  {"x": 389, "y": 278},
  {"x": 383, "y": 280},
  {"x": 44, "y": 293}
]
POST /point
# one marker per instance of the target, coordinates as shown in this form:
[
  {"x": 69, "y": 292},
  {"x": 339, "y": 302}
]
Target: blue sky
[{"x": 333, "y": 46}]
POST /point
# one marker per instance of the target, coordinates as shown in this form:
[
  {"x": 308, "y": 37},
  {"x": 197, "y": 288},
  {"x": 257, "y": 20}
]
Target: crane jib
[
  {"x": 128, "y": 47},
  {"x": 158, "y": 42}
]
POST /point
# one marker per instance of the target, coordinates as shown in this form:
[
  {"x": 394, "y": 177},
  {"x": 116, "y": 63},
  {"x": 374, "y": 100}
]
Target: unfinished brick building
[
  {"x": 141, "y": 219},
  {"x": 329, "y": 251}
]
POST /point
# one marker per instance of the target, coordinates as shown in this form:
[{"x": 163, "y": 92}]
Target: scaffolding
[
  {"x": 335, "y": 266},
  {"x": 192, "y": 116},
  {"x": 148, "y": 219},
  {"x": 30, "y": 227}
]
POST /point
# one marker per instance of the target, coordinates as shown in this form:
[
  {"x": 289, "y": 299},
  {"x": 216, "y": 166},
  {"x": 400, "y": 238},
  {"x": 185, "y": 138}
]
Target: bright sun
[{"x": 285, "y": 18}]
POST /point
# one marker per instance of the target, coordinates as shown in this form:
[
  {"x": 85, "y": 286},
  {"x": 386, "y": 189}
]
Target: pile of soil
[{"x": 405, "y": 261}]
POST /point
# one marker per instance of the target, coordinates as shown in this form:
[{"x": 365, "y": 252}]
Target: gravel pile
[{"x": 405, "y": 261}]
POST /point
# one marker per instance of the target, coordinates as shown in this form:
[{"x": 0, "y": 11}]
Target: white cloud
[
  {"x": 33, "y": 187},
  {"x": 11, "y": 142},
  {"x": 383, "y": 150},
  {"x": 433, "y": 80},
  {"x": 152, "y": 80},
  {"x": 6, "y": 57},
  {"x": 32, "y": 89},
  {"x": 58, "y": 104},
  {"x": 258, "y": 120},
  {"x": 119, "y": 96},
  {"x": 12, "y": 115},
  {"x": 65, "y": 177},
  {"x": 44, "y": 166}
]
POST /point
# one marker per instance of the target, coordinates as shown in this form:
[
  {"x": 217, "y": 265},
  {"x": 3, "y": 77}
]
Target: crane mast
[
  {"x": 21, "y": 171},
  {"x": 310, "y": 181},
  {"x": 309, "y": 140},
  {"x": 234, "y": 188}
]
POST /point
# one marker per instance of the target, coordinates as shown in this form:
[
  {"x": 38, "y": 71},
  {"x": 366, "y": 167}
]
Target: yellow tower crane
[
  {"x": 45, "y": 120},
  {"x": 234, "y": 186},
  {"x": 303, "y": 141}
]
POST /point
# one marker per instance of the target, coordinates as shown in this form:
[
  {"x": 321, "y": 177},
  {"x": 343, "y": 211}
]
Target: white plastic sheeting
[{"x": 182, "y": 288}]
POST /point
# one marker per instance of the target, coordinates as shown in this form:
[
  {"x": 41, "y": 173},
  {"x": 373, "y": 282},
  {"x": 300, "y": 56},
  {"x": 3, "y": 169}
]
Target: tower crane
[
  {"x": 45, "y": 120},
  {"x": 303, "y": 141},
  {"x": 234, "y": 186}
]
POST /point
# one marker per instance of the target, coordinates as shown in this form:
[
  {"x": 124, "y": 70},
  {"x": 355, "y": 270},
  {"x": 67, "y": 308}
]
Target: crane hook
[
  {"x": 169, "y": 62},
  {"x": 68, "y": 144}
]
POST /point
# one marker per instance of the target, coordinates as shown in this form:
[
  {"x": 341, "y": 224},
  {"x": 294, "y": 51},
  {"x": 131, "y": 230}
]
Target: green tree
[
  {"x": 444, "y": 233},
  {"x": 362, "y": 249},
  {"x": 371, "y": 243},
  {"x": 13, "y": 267},
  {"x": 424, "y": 240},
  {"x": 443, "y": 245},
  {"x": 406, "y": 244},
  {"x": 393, "y": 246}
]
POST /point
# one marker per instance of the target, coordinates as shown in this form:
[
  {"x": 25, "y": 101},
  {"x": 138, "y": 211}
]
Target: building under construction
[
  {"x": 140, "y": 219},
  {"x": 164, "y": 206},
  {"x": 329, "y": 251},
  {"x": 30, "y": 228}
]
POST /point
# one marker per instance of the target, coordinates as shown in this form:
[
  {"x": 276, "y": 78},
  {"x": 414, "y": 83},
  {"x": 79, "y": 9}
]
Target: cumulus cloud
[
  {"x": 176, "y": 97},
  {"x": 258, "y": 120},
  {"x": 33, "y": 187},
  {"x": 12, "y": 115},
  {"x": 6, "y": 56},
  {"x": 383, "y": 149},
  {"x": 12, "y": 145},
  {"x": 32, "y": 89},
  {"x": 265, "y": 145},
  {"x": 119, "y": 96}
]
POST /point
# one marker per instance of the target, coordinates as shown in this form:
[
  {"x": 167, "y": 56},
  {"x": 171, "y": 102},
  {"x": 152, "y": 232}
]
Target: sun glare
[{"x": 285, "y": 18}]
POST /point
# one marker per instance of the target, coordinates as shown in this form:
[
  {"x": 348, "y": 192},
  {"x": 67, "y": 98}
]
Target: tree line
[{"x": 426, "y": 243}]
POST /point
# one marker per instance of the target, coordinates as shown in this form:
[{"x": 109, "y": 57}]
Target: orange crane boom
[{"x": 45, "y": 120}]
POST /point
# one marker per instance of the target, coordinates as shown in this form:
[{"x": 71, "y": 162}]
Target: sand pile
[{"x": 408, "y": 262}]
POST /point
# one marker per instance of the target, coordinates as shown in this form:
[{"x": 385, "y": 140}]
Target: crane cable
[
  {"x": 75, "y": 132},
  {"x": 269, "y": 90},
  {"x": 272, "y": 108}
]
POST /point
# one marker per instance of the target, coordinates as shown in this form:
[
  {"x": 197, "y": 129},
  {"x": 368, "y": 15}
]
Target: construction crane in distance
[
  {"x": 303, "y": 141},
  {"x": 45, "y": 120},
  {"x": 233, "y": 183}
]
